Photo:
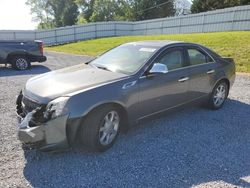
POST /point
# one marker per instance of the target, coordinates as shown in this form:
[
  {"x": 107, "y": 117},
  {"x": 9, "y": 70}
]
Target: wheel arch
[
  {"x": 73, "y": 127},
  {"x": 16, "y": 54},
  {"x": 210, "y": 102},
  {"x": 221, "y": 80},
  {"x": 115, "y": 104}
]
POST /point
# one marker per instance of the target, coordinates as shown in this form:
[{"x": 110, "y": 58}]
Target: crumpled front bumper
[{"x": 48, "y": 136}]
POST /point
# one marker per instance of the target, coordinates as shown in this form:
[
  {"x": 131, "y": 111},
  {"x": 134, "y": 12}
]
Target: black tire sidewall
[{"x": 94, "y": 122}]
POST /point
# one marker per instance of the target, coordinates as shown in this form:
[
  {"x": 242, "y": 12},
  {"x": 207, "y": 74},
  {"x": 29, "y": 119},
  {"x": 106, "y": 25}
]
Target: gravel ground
[{"x": 192, "y": 148}]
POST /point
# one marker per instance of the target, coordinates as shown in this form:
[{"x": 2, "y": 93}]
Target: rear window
[
  {"x": 197, "y": 57},
  {"x": 213, "y": 53}
]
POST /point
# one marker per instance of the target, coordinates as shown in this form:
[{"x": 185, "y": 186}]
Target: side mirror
[{"x": 158, "y": 68}]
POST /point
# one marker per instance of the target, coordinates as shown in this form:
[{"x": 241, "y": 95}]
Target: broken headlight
[{"x": 56, "y": 108}]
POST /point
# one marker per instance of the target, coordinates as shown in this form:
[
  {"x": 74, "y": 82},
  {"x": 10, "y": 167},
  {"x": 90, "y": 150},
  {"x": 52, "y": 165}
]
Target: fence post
[
  {"x": 161, "y": 26},
  {"x": 203, "y": 20},
  {"x": 232, "y": 26},
  {"x": 180, "y": 24},
  {"x": 95, "y": 31},
  {"x": 55, "y": 36},
  {"x": 74, "y": 28},
  {"x": 132, "y": 29}
]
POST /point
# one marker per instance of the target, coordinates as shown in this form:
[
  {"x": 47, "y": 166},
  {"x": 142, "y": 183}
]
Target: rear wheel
[
  {"x": 20, "y": 63},
  {"x": 219, "y": 95},
  {"x": 101, "y": 128}
]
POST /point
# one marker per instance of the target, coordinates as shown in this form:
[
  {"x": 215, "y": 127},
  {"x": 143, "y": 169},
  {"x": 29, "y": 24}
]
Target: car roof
[
  {"x": 160, "y": 43},
  {"x": 155, "y": 43},
  {"x": 18, "y": 41}
]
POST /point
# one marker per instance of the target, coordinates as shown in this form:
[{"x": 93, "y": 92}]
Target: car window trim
[
  {"x": 181, "y": 49},
  {"x": 159, "y": 54},
  {"x": 186, "y": 67},
  {"x": 187, "y": 64},
  {"x": 199, "y": 49}
]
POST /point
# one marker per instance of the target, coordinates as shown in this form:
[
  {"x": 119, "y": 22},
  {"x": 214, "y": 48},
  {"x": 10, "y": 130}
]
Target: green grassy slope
[{"x": 228, "y": 44}]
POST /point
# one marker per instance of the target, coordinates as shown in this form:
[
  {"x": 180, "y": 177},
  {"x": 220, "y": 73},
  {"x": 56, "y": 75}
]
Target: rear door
[
  {"x": 202, "y": 68},
  {"x": 162, "y": 91}
]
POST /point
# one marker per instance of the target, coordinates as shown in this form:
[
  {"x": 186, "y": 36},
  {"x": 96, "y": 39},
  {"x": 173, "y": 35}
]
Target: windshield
[{"x": 127, "y": 58}]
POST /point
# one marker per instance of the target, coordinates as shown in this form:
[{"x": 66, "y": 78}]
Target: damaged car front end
[
  {"x": 42, "y": 126},
  {"x": 92, "y": 103}
]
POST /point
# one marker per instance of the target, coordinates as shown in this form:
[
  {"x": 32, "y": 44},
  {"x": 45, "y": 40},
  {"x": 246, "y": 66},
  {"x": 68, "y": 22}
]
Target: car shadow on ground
[
  {"x": 192, "y": 147},
  {"x": 35, "y": 69}
]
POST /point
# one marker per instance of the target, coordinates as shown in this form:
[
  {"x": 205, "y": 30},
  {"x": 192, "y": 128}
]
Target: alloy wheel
[
  {"x": 109, "y": 128},
  {"x": 22, "y": 64},
  {"x": 219, "y": 95}
]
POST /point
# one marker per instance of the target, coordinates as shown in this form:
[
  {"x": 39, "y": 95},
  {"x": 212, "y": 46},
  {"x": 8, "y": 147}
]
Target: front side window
[
  {"x": 196, "y": 57},
  {"x": 172, "y": 59}
]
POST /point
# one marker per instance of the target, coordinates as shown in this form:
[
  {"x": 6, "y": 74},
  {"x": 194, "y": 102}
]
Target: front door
[{"x": 162, "y": 91}]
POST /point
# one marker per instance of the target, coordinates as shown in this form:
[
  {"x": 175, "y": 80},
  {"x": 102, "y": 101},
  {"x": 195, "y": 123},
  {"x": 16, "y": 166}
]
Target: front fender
[{"x": 82, "y": 103}]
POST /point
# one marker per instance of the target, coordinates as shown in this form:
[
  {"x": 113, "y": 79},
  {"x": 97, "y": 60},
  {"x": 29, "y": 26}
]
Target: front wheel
[
  {"x": 218, "y": 95},
  {"x": 101, "y": 128}
]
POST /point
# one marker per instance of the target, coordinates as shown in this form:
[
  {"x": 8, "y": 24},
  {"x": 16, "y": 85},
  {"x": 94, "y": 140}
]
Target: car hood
[{"x": 48, "y": 86}]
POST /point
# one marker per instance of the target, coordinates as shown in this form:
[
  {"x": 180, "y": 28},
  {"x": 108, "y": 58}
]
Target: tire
[
  {"x": 20, "y": 63},
  {"x": 218, "y": 95},
  {"x": 95, "y": 126}
]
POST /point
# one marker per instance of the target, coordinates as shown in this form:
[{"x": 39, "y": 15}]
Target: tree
[
  {"x": 207, "y": 5},
  {"x": 70, "y": 13},
  {"x": 245, "y": 2},
  {"x": 127, "y": 10},
  {"x": 86, "y": 7},
  {"x": 124, "y": 10},
  {"x": 65, "y": 12},
  {"x": 103, "y": 10},
  {"x": 59, "y": 13},
  {"x": 111, "y": 10},
  {"x": 81, "y": 19},
  {"x": 148, "y": 9},
  {"x": 42, "y": 13},
  {"x": 54, "y": 13}
]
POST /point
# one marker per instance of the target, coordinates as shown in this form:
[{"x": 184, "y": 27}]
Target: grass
[{"x": 228, "y": 44}]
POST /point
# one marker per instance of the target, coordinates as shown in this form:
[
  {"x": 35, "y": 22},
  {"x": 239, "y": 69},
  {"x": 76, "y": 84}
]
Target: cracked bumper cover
[{"x": 48, "y": 136}]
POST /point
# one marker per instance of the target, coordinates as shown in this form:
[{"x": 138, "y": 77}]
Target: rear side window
[
  {"x": 172, "y": 59},
  {"x": 196, "y": 57}
]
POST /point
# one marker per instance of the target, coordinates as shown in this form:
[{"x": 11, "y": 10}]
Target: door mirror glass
[{"x": 158, "y": 68}]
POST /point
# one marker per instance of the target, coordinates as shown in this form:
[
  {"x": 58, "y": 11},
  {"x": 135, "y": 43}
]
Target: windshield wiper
[
  {"x": 101, "y": 67},
  {"x": 89, "y": 61}
]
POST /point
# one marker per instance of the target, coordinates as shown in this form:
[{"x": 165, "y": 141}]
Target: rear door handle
[
  {"x": 183, "y": 79},
  {"x": 210, "y": 71}
]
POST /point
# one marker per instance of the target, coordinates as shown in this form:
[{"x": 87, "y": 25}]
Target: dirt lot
[{"x": 194, "y": 147}]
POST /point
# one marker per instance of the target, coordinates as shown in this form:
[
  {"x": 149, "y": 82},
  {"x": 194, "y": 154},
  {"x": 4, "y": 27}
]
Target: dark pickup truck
[{"x": 21, "y": 53}]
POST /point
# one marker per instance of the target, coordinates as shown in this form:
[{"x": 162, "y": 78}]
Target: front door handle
[
  {"x": 210, "y": 71},
  {"x": 183, "y": 79}
]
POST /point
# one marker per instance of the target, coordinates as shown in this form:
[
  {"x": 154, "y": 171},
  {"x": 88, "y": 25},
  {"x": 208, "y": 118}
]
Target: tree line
[
  {"x": 207, "y": 5},
  {"x": 59, "y": 13}
]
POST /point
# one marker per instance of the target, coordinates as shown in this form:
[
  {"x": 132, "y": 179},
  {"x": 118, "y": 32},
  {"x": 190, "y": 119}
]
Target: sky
[{"x": 15, "y": 15}]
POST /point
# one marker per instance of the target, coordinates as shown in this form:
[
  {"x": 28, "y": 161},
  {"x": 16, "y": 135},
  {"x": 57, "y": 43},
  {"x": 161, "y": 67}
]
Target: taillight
[{"x": 41, "y": 47}]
